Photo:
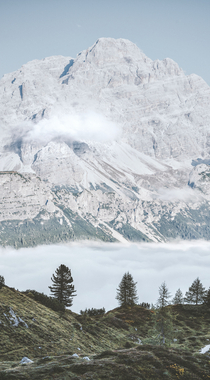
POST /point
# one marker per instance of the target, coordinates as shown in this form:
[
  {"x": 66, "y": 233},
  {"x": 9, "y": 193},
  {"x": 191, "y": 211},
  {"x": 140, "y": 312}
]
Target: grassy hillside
[{"x": 115, "y": 343}]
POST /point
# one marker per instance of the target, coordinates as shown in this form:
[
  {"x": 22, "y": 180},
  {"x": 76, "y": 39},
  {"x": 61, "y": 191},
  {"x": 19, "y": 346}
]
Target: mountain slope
[
  {"x": 118, "y": 141},
  {"x": 107, "y": 346}
]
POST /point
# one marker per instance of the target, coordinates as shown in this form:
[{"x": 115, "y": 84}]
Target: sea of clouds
[{"x": 97, "y": 269}]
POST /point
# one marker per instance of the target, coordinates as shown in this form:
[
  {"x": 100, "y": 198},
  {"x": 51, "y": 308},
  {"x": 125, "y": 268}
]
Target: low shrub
[
  {"x": 93, "y": 312},
  {"x": 146, "y": 305},
  {"x": 45, "y": 300}
]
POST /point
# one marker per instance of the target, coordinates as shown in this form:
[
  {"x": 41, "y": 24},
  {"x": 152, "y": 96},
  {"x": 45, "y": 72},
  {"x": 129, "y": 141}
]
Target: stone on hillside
[{"x": 26, "y": 360}]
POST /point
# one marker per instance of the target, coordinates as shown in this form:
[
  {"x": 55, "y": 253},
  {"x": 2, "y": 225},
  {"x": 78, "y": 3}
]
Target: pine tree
[
  {"x": 178, "y": 298},
  {"x": 163, "y": 317},
  {"x": 207, "y": 298},
  {"x": 164, "y": 295},
  {"x": 127, "y": 293},
  {"x": 2, "y": 281},
  {"x": 196, "y": 292},
  {"x": 62, "y": 288},
  {"x": 162, "y": 331}
]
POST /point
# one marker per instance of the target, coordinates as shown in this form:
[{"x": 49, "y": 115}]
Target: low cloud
[
  {"x": 97, "y": 269},
  {"x": 185, "y": 194},
  {"x": 89, "y": 126}
]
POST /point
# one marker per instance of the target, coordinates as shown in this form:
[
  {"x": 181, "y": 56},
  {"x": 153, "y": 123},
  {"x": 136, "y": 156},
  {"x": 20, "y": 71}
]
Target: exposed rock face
[{"x": 111, "y": 135}]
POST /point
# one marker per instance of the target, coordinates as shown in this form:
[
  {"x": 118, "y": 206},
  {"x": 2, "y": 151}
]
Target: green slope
[{"x": 111, "y": 342}]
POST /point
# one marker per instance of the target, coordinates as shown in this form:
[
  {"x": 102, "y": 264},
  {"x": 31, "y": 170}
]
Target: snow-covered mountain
[{"x": 110, "y": 145}]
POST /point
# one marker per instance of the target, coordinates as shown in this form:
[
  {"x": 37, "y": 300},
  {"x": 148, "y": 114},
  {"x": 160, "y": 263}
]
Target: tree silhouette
[
  {"x": 127, "y": 293},
  {"x": 196, "y": 293},
  {"x": 62, "y": 288},
  {"x": 178, "y": 298},
  {"x": 2, "y": 281},
  {"x": 207, "y": 298},
  {"x": 163, "y": 316},
  {"x": 164, "y": 295}
]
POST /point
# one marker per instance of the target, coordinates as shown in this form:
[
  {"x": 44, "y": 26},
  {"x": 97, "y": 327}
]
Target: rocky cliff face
[{"x": 110, "y": 145}]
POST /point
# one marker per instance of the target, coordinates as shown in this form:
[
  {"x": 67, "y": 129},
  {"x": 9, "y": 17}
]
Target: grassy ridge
[{"x": 114, "y": 343}]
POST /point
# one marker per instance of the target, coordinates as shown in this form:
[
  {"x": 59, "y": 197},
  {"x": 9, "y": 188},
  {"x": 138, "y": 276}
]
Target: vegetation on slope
[{"x": 113, "y": 344}]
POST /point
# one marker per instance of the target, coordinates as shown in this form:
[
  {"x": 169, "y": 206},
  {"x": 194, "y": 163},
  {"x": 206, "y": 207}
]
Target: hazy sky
[
  {"x": 35, "y": 29},
  {"x": 97, "y": 269}
]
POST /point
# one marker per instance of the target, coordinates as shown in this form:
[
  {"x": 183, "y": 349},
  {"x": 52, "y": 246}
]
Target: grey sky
[
  {"x": 97, "y": 269},
  {"x": 35, "y": 29}
]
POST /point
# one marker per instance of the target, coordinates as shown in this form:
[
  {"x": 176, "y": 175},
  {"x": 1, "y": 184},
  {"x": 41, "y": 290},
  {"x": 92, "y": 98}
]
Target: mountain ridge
[{"x": 111, "y": 129}]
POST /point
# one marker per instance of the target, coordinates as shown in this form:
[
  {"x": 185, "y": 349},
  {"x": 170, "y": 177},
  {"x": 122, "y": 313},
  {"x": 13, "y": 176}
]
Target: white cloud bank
[
  {"x": 185, "y": 194},
  {"x": 89, "y": 126},
  {"x": 97, "y": 269}
]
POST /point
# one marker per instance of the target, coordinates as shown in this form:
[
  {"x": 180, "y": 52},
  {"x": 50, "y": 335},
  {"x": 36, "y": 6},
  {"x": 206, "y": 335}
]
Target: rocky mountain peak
[
  {"x": 109, "y": 50},
  {"x": 166, "y": 67},
  {"x": 109, "y": 133}
]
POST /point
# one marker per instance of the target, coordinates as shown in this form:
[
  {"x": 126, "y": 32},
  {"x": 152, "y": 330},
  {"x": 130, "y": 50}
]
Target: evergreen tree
[
  {"x": 196, "y": 292},
  {"x": 163, "y": 317},
  {"x": 207, "y": 298},
  {"x": 62, "y": 288},
  {"x": 2, "y": 281},
  {"x": 162, "y": 331},
  {"x": 127, "y": 293},
  {"x": 164, "y": 296},
  {"x": 178, "y": 298}
]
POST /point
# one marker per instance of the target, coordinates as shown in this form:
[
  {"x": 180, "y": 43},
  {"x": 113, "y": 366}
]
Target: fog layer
[{"x": 97, "y": 269}]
